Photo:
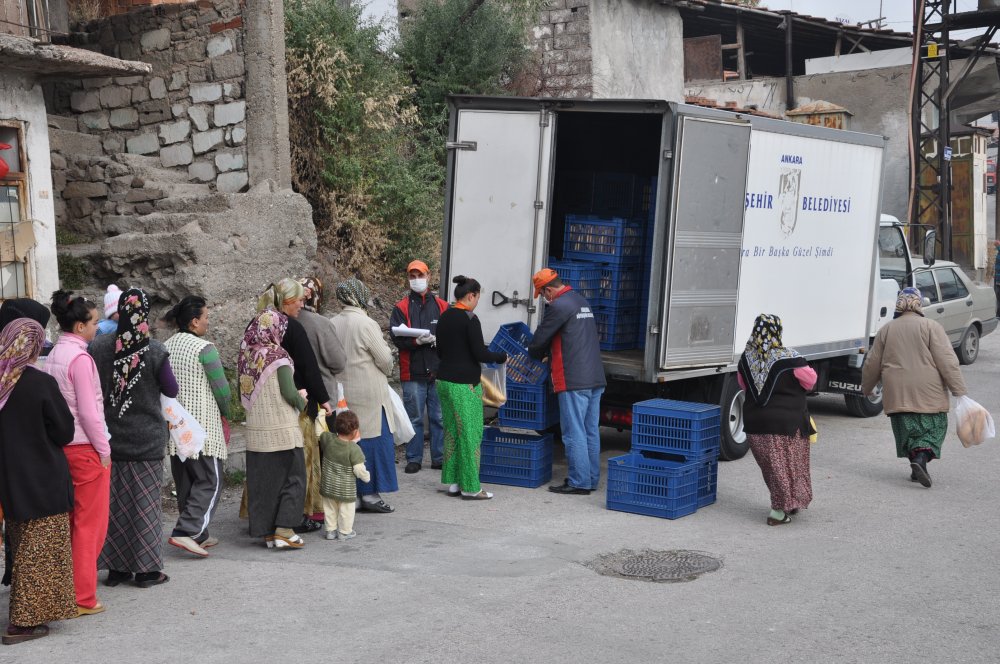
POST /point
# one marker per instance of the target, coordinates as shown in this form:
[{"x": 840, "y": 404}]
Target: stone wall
[
  {"x": 562, "y": 46},
  {"x": 191, "y": 112}
]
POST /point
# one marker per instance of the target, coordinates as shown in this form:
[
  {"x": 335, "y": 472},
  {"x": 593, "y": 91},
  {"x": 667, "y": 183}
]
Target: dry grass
[{"x": 84, "y": 11}]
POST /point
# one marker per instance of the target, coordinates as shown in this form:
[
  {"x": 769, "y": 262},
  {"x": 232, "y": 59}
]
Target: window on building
[{"x": 16, "y": 238}]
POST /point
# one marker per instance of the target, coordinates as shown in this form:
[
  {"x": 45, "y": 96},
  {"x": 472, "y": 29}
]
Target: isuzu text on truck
[{"x": 747, "y": 215}]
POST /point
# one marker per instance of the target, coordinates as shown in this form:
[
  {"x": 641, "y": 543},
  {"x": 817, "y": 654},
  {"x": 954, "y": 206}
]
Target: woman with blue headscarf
[{"x": 917, "y": 366}]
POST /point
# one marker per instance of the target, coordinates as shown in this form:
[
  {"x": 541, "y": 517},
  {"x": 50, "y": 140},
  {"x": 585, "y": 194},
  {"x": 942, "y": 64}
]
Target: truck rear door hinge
[
  {"x": 539, "y": 205},
  {"x": 462, "y": 145},
  {"x": 668, "y": 154},
  {"x": 543, "y": 121}
]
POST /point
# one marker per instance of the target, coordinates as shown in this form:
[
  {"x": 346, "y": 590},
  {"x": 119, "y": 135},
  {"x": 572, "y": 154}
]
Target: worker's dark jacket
[
  {"x": 568, "y": 335},
  {"x": 417, "y": 362}
]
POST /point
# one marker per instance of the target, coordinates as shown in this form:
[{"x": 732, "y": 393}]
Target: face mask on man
[{"x": 418, "y": 285}]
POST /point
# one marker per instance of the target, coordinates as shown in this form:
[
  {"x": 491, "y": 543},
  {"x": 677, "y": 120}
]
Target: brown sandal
[
  {"x": 778, "y": 522},
  {"x": 19, "y": 634}
]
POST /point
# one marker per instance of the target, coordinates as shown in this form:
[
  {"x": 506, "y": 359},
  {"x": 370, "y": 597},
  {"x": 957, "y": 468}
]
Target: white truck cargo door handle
[
  {"x": 499, "y": 299},
  {"x": 462, "y": 145}
]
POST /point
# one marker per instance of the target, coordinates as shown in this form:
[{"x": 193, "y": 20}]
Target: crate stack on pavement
[
  {"x": 607, "y": 237},
  {"x": 520, "y": 458},
  {"x": 673, "y": 467}
]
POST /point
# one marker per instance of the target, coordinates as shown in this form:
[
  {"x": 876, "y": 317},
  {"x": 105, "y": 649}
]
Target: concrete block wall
[
  {"x": 562, "y": 45},
  {"x": 191, "y": 112}
]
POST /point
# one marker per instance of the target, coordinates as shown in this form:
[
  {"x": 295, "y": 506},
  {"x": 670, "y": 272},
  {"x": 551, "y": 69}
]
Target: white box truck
[{"x": 750, "y": 215}]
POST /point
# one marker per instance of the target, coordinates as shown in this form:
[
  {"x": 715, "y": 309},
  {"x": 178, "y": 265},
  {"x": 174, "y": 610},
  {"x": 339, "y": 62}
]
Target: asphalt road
[{"x": 878, "y": 569}]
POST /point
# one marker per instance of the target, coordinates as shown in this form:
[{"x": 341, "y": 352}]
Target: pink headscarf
[
  {"x": 20, "y": 343},
  {"x": 261, "y": 353}
]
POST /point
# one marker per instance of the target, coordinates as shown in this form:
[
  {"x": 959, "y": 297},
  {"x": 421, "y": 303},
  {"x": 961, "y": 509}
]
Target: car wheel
[
  {"x": 968, "y": 349},
  {"x": 732, "y": 437},
  {"x": 864, "y": 406}
]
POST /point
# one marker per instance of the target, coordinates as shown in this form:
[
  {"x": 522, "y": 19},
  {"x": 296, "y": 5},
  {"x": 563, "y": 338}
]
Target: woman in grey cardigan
[{"x": 134, "y": 372}]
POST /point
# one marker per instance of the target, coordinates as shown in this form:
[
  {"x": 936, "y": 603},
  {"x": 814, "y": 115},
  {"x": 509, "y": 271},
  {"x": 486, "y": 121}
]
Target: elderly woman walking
[
  {"x": 288, "y": 296},
  {"x": 366, "y": 388},
  {"x": 204, "y": 392},
  {"x": 89, "y": 455},
  {"x": 134, "y": 371},
  {"x": 35, "y": 485},
  {"x": 461, "y": 348},
  {"x": 775, "y": 417},
  {"x": 914, "y": 360},
  {"x": 276, "y": 473}
]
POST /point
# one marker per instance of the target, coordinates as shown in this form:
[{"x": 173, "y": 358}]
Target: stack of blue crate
[
  {"x": 520, "y": 459},
  {"x": 672, "y": 468}
]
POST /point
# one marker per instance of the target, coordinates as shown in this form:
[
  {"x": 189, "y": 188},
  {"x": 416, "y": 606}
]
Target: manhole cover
[{"x": 660, "y": 566}]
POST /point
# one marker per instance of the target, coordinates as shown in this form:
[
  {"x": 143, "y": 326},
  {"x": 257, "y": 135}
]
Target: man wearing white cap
[{"x": 109, "y": 323}]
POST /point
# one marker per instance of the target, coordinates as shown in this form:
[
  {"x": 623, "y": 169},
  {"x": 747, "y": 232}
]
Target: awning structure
[{"x": 32, "y": 56}]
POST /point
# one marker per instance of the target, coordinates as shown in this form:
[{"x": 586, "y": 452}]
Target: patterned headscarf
[
  {"x": 314, "y": 299},
  {"x": 764, "y": 358},
  {"x": 131, "y": 342},
  {"x": 20, "y": 343},
  {"x": 275, "y": 295},
  {"x": 353, "y": 293},
  {"x": 909, "y": 299},
  {"x": 261, "y": 353}
]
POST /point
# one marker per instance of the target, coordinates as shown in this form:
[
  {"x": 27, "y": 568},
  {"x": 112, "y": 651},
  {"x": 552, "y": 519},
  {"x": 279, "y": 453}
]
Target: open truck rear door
[
  {"x": 499, "y": 167},
  {"x": 704, "y": 242}
]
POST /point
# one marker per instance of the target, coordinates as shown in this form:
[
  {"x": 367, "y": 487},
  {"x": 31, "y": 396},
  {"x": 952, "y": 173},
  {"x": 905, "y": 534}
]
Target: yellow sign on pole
[{"x": 932, "y": 50}]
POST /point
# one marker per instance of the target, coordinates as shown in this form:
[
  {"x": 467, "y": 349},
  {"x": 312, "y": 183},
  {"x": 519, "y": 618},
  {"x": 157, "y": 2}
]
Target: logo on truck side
[{"x": 788, "y": 197}]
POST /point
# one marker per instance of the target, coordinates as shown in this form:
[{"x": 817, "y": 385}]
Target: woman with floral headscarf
[
  {"x": 276, "y": 472},
  {"x": 35, "y": 485},
  {"x": 917, "y": 366},
  {"x": 775, "y": 417},
  {"x": 366, "y": 389},
  {"x": 288, "y": 296},
  {"x": 134, "y": 371}
]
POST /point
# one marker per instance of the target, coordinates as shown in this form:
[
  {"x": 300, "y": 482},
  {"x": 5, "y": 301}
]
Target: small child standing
[{"x": 343, "y": 460}]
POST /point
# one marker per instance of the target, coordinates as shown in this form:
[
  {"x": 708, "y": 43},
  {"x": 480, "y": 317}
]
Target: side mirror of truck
[{"x": 929, "y": 241}]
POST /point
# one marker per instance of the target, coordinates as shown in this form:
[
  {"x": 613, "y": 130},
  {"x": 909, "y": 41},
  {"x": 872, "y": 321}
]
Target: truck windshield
[{"x": 892, "y": 250}]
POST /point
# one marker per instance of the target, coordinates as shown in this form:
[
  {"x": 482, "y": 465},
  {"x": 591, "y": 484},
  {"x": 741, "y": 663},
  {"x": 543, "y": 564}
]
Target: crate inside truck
[{"x": 696, "y": 220}]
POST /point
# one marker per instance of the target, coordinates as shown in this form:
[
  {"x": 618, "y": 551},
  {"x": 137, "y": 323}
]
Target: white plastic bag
[
  {"x": 494, "y": 380},
  {"x": 973, "y": 423},
  {"x": 187, "y": 434},
  {"x": 341, "y": 401},
  {"x": 404, "y": 429}
]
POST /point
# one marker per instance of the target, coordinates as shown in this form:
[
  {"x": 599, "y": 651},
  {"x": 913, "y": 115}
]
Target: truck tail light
[{"x": 617, "y": 417}]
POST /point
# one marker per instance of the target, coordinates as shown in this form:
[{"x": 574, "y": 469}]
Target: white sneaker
[
  {"x": 330, "y": 535},
  {"x": 350, "y": 535}
]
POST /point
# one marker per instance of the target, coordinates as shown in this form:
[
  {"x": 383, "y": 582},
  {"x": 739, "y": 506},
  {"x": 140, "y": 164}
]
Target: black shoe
[
  {"x": 114, "y": 578},
  {"x": 918, "y": 464},
  {"x": 412, "y": 467},
  {"x": 307, "y": 526},
  {"x": 150, "y": 579},
  {"x": 437, "y": 465},
  {"x": 381, "y": 507},
  {"x": 567, "y": 488}
]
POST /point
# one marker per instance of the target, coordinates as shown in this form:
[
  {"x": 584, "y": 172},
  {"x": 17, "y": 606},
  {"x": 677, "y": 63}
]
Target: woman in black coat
[{"x": 35, "y": 486}]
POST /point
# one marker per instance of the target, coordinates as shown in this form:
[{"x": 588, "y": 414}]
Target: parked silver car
[{"x": 967, "y": 310}]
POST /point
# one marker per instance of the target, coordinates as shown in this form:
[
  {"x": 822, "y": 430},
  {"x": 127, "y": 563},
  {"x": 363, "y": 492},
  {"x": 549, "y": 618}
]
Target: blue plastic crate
[
  {"x": 645, "y": 199},
  {"x": 676, "y": 427},
  {"x": 513, "y": 339},
  {"x": 616, "y": 328},
  {"x": 653, "y": 487},
  {"x": 603, "y": 239},
  {"x": 515, "y": 459},
  {"x": 708, "y": 472},
  {"x": 615, "y": 194},
  {"x": 621, "y": 286},
  {"x": 529, "y": 407},
  {"x": 586, "y": 277}
]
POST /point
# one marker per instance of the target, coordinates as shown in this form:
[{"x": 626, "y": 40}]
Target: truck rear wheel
[
  {"x": 863, "y": 406},
  {"x": 731, "y": 435}
]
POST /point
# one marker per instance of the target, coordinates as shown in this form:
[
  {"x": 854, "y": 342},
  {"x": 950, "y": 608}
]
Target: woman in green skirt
[{"x": 461, "y": 349}]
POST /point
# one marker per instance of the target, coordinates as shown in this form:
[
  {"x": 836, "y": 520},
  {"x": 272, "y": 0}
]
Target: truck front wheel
[
  {"x": 732, "y": 437},
  {"x": 863, "y": 406}
]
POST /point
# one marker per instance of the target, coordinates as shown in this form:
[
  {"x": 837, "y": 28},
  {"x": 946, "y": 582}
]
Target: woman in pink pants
[{"x": 89, "y": 455}]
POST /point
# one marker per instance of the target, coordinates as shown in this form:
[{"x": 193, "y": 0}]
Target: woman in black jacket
[
  {"x": 35, "y": 486},
  {"x": 461, "y": 348}
]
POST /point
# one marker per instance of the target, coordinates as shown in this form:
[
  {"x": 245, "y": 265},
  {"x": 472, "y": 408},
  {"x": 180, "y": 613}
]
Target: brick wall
[
  {"x": 191, "y": 112},
  {"x": 562, "y": 43}
]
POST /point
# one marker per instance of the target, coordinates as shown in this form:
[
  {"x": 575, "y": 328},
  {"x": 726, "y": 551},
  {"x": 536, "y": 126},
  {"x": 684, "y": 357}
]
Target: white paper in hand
[{"x": 404, "y": 331}]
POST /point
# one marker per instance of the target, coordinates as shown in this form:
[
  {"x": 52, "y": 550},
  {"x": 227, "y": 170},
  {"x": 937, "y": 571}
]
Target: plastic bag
[
  {"x": 815, "y": 434},
  {"x": 494, "y": 380},
  {"x": 341, "y": 401},
  {"x": 404, "y": 429},
  {"x": 187, "y": 434},
  {"x": 973, "y": 423},
  {"x": 320, "y": 425}
]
